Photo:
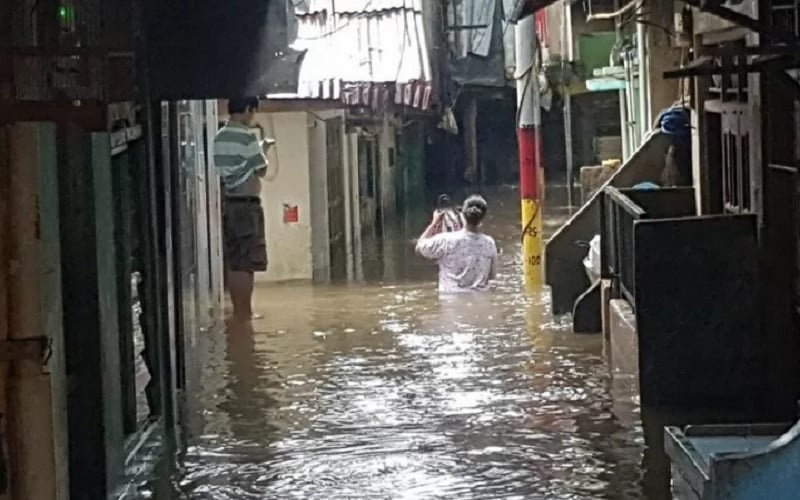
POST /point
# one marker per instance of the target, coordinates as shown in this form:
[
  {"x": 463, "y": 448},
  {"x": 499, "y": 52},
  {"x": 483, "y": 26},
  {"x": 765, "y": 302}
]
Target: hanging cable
[{"x": 605, "y": 16}]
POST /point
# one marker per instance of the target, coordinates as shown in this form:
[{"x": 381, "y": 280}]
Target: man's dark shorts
[{"x": 245, "y": 241}]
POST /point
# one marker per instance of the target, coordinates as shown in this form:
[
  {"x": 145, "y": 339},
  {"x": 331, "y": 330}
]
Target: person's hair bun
[{"x": 474, "y": 210}]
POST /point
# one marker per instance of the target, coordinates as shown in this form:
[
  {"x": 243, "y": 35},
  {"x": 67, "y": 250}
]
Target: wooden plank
[
  {"x": 5, "y": 168},
  {"x": 336, "y": 209},
  {"x": 88, "y": 467},
  {"x": 121, "y": 190},
  {"x": 51, "y": 300},
  {"x": 30, "y": 419},
  {"x": 108, "y": 277},
  {"x": 697, "y": 315}
]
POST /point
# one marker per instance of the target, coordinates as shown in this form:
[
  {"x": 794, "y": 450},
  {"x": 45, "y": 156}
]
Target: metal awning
[{"x": 526, "y": 7}]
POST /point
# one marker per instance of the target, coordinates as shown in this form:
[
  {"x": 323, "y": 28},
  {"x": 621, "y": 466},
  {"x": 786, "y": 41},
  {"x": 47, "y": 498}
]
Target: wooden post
[
  {"x": 30, "y": 418},
  {"x": 5, "y": 167}
]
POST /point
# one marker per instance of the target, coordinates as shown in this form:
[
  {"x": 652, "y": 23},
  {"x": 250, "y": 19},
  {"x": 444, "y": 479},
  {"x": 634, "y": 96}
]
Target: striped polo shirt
[{"x": 237, "y": 155}]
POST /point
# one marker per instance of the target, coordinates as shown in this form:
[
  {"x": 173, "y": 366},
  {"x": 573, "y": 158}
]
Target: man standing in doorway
[{"x": 241, "y": 162}]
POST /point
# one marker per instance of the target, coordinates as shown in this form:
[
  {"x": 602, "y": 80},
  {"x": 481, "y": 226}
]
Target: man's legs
[
  {"x": 240, "y": 286},
  {"x": 245, "y": 253}
]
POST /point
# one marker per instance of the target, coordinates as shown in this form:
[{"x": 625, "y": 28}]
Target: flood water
[{"x": 384, "y": 390}]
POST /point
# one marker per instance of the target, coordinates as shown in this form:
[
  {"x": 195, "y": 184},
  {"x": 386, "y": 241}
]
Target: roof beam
[
  {"x": 768, "y": 32},
  {"x": 705, "y": 66}
]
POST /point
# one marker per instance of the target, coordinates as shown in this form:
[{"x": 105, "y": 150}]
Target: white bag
[{"x": 592, "y": 260}]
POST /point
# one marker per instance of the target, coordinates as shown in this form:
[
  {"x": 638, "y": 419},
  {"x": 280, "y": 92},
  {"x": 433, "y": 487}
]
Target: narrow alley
[
  {"x": 384, "y": 391},
  {"x": 219, "y": 252}
]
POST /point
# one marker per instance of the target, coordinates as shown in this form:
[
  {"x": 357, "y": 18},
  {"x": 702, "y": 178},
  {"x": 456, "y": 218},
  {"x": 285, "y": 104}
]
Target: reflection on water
[{"x": 385, "y": 391}]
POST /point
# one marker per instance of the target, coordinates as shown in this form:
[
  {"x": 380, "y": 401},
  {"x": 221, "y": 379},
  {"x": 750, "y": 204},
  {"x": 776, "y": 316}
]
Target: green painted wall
[
  {"x": 411, "y": 163},
  {"x": 594, "y": 50}
]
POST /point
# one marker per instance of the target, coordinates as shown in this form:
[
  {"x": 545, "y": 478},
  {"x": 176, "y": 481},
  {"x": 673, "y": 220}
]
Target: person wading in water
[
  {"x": 467, "y": 258},
  {"x": 241, "y": 163}
]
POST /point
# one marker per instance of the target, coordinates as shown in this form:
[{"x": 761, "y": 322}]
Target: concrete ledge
[
  {"x": 624, "y": 339},
  {"x": 564, "y": 271},
  {"x": 623, "y": 352}
]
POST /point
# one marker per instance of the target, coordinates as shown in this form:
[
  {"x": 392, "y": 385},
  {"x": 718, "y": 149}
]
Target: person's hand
[
  {"x": 266, "y": 144},
  {"x": 438, "y": 215}
]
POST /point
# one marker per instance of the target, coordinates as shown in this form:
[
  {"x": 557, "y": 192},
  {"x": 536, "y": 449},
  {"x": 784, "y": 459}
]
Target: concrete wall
[
  {"x": 661, "y": 56},
  {"x": 288, "y": 245},
  {"x": 388, "y": 153},
  {"x": 318, "y": 186},
  {"x": 555, "y": 26}
]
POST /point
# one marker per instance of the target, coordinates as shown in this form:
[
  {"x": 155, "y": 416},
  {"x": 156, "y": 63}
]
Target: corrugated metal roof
[
  {"x": 363, "y": 41},
  {"x": 303, "y": 7}
]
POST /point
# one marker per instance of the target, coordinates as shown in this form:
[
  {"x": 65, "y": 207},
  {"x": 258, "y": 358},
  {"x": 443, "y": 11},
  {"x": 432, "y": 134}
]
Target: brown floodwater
[{"x": 385, "y": 390}]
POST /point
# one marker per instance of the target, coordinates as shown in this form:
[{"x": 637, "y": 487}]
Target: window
[{"x": 736, "y": 179}]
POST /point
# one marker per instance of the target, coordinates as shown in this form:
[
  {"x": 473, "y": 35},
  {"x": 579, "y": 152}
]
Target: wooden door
[{"x": 336, "y": 200}]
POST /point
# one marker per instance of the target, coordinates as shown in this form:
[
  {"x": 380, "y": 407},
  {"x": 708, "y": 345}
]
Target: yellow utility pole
[{"x": 530, "y": 157}]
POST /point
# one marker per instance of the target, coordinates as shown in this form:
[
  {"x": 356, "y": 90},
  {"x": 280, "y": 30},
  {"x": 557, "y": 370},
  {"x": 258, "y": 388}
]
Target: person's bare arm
[
  {"x": 431, "y": 244},
  {"x": 493, "y": 268},
  {"x": 270, "y": 170},
  {"x": 432, "y": 228}
]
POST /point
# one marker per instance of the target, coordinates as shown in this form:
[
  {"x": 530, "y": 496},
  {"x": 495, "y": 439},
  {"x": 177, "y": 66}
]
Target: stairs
[{"x": 564, "y": 253}]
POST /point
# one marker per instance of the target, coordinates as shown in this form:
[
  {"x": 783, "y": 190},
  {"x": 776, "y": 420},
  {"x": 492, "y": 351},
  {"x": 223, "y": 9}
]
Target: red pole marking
[
  {"x": 541, "y": 25},
  {"x": 529, "y": 162}
]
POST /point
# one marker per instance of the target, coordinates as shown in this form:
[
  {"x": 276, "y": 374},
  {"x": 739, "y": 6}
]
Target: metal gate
[{"x": 336, "y": 200}]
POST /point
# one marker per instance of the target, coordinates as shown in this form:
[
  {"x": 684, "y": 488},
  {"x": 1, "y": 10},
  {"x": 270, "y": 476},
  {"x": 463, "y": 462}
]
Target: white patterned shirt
[{"x": 466, "y": 260}]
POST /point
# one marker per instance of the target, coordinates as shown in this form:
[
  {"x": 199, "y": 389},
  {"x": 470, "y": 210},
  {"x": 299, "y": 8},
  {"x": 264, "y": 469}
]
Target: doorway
[{"x": 336, "y": 200}]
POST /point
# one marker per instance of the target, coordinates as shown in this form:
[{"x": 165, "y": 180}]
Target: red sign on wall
[{"x": 290, "y": 214}]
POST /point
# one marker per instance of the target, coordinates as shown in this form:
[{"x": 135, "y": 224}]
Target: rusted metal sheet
[{"x": 363, "y": 53}]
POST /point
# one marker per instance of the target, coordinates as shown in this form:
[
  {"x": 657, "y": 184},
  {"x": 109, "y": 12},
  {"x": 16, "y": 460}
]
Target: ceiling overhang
[{"x": 525, "y": 8}]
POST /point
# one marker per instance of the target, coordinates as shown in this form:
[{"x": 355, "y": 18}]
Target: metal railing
[{"x": 617, "y": 218}]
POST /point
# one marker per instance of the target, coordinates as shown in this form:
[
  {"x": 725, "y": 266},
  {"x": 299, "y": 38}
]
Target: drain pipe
[
  {"x": 630, "y": 103},
  {"x": 566, "y": 58},
  {"x": 644, "y": 77}
]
